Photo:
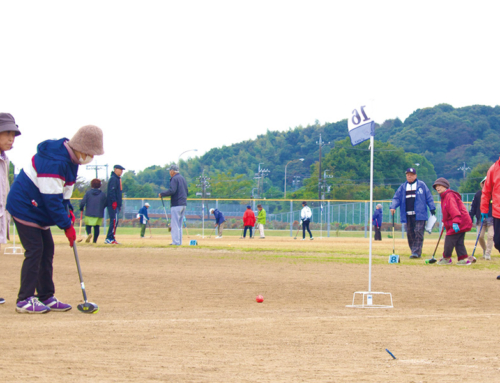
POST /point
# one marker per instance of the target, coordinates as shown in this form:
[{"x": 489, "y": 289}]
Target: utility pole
[
  {"x": 261, "y": 173},
  {"x": 324, "y": 187},
  {"x": 204, "y": 184},
  {"x": 464, "y": 168},
  {"x": 97, "y": 167},
  {"x": 321, "y": 143}
]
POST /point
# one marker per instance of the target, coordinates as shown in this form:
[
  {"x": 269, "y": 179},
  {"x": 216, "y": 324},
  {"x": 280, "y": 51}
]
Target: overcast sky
[{"x": 163, "y": 77}]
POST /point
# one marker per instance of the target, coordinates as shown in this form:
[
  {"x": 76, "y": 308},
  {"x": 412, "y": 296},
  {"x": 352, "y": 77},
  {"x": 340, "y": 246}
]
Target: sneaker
[
  {"x": 487, "y": 257},
  {"x": 115, "y": 242},
  {"x": 108, "y": 241},
  {"x": 55, "y": 305},
  {"x": 414, "y": 256},
  {"x": 89, "y": 237},
  {"x": 311, "y": 238},
  {"x": 464, "y": 262},
  {"x": 262, "y": 237},
  {"x": 303, "y": 239},
  {"x": 219, "y": 237},
  {"x": 445, "y": 261},
  {"x": 2, "y": 301},
  {"x": 31, "y": 306}
]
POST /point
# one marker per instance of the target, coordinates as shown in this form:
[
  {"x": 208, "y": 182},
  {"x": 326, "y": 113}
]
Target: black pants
[
  {"x": 415, "y": 234},
  {"x": 496, "y": 233},
  {"x": 97, "y": 231},
  {"x": 305, "y": 226},
  {"x": 36, "y": 271},
  {"x": 245, "y": 231},
  {"x": 378, "y": 234},
  {"x": 455, "y": 241},
  {"x": 113, "y": 223}
]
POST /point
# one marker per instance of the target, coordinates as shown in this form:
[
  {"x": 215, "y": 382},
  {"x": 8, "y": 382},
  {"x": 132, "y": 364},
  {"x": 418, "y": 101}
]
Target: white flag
[{"x": 360, "y": 125}]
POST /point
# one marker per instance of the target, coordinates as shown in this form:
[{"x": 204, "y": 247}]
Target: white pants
[
  {"x": 261, "y": 230},
  {"x": 177, "y": 215}
]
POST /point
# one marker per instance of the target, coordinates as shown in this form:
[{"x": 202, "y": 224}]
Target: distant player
[
  {"x": 306, "y": 217},
  {"x": 219, "y": 221}
]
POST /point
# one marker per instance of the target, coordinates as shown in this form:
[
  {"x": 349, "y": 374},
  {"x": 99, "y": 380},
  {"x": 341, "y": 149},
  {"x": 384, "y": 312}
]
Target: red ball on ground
[{"x": 259, "y": 298}]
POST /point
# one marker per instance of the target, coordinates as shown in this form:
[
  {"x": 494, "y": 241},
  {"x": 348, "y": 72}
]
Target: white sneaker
[
  {"x": 311, "y": 238},
  {"x": 303, "y": 239},
  {"x": 219, "y": 237}
]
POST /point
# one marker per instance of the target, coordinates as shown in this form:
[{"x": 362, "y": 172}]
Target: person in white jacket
[{"x": 306, "y": 216}]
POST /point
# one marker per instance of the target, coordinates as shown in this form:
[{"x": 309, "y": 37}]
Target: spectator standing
[
  {"x": 377, "y": 222},
  {"x": 413, "y": 197},
  {"x": 219, "y": 221},
  {"x": 8, "y": 132},
  {"x": 261, "y": 220},
  {"x": 95, "y": 201},
  {"x": 39, "y": 198},
  {"x": 306, "y": 217},
  {"x": 475, "y": 211},
  {"x": 248, "y": 221},
  {"x": 143, "y": 216},
  {"x": 114, "y": 200},
  {"x": 178, "y": 193},
  {"x": 456, "y": 221}
]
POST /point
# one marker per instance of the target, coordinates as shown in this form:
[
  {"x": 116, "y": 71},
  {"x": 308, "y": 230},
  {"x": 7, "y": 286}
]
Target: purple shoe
[
  {"x": 2, "y": 301},
  {"x": 55, "y": 305},
  {"x": 31, "y": 305}
]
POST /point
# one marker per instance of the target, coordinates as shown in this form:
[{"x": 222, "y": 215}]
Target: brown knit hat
[
  {"x": 441, "y": 181},
  {"x": 88, "y": 139}
]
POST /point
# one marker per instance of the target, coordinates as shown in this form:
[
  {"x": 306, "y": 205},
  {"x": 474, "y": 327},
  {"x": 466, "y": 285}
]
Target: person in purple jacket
[
  {"x": 377, "y": 222},
  {"x": 39, "y": 198}
]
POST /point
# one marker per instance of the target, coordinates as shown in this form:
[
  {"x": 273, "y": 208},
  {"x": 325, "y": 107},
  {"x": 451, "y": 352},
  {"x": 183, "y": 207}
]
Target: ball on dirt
[{"x": 259, "y": 299}]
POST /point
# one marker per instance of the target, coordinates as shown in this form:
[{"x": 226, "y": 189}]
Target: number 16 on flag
[{"x": 360, "y": 124}]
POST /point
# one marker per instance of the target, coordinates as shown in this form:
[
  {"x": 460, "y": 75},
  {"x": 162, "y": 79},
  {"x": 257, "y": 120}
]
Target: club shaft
[{"x": 77, "y": 260}]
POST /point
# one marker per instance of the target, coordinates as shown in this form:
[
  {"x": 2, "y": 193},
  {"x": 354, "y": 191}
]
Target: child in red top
[
  {"x": 248, "y": 221},
  {"x": 457, "y": 222}
]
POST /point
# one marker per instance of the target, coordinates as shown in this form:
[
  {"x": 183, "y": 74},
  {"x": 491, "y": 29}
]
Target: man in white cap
[
  {"x": 40, "y": 198},
  {"x": 8, "y": 132},
  {"x": 143, "y": 216},
  {"x": 413, "y": 197}
]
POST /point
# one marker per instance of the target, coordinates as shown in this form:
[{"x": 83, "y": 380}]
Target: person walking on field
[
  {"x": 40, "y": 198},
  {"x": 95, "y": 201},
  {"x": 178, "y": 193},
  {"x": 261, "y": 221},
  {"x": 114, "y": 201},
  {"x": 219, "y": 221},
  {"x": 8, "y": 132},
  {"x": 248, "y": 221},
  {"x": 475, "y": 211},
  {"x": 143, "y": 216},
  {"x": 413, "y": 197},
  {"x": 456, "y": 221},
  {"x": 306, "y": 216},
  {"x": 377, "y": 222}
]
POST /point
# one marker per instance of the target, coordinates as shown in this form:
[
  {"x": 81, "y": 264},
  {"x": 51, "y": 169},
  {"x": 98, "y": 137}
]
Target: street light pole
[
  {"x": 179, "y": 159},
  {"x": 289, "y": 162},
  {"x": 321, "y": 143}
]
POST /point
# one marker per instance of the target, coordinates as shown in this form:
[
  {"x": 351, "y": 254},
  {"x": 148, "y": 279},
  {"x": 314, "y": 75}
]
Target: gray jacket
[
  {"x": 95, "y": 200},
  {"x": 178, "y": 191}
]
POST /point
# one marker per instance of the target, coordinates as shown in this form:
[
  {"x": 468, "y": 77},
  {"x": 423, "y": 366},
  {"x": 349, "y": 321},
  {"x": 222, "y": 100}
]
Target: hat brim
[{"x": 10, "y": 127}]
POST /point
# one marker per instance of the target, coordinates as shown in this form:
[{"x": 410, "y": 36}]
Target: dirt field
[{"x": 189, "y": 315}]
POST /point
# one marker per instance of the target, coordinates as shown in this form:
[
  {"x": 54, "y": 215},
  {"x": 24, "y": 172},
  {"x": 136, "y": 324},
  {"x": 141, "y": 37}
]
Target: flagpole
[{"x": 371, "y": 214}]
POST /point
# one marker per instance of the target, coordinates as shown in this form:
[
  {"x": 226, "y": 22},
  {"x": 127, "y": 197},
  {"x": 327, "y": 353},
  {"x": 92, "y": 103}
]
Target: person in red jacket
[
  {"x": 456, "y": 221},
  {"x": 248, "y": 221},
  {"x": 491, "y": 194}
]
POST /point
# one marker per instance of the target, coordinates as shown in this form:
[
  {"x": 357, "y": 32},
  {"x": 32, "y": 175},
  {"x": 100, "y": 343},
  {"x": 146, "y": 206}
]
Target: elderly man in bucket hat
[
  {"x": 178, "y": 193},
  {"x": 413, "y": 197},
  {"x": 40, "y": 198},
  {"x": 8, "y": 132}
]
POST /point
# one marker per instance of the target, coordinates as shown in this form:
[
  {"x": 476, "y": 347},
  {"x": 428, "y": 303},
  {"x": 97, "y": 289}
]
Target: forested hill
[{"x": 440, "y": 138}]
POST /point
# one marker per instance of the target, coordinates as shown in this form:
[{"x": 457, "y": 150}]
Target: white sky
[{"x": 163, "y": 77}]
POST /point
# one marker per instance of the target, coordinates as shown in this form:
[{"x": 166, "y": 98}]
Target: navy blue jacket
[
  {"x": 143, "y": 211},
  {"x": 114, "y": 191},
  {"x": 377, "y": 218},
  {"x": 422, "y": 200},
  {"x": 95, "y": 200},
  {"x": 475, "y": 208},
  {"x": 41, "y": 192},
  {"x": 219, "y": 217},
  {"x": 178, "y": 191}
]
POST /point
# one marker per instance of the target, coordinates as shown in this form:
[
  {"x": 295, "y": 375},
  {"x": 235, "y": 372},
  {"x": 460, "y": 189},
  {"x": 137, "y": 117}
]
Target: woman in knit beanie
[
  {"x": 457, "y": 222},
  {"x": 40, "y": 198}
]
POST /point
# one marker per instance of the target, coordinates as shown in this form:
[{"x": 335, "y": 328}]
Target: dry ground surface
[{"x": 189, "y": 314}]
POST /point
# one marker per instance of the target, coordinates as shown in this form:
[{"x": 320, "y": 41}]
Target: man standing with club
[
  {"x": 40, "y": 198},
  {"x": 261, "y": 221},
  {"x": 114, "y": 200},
  {"x": 8, "y": 132},
  {"x": 178, "y": 193},
  {"x": 413, "y": 197},
  {"x": 143, "y": 216}
]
